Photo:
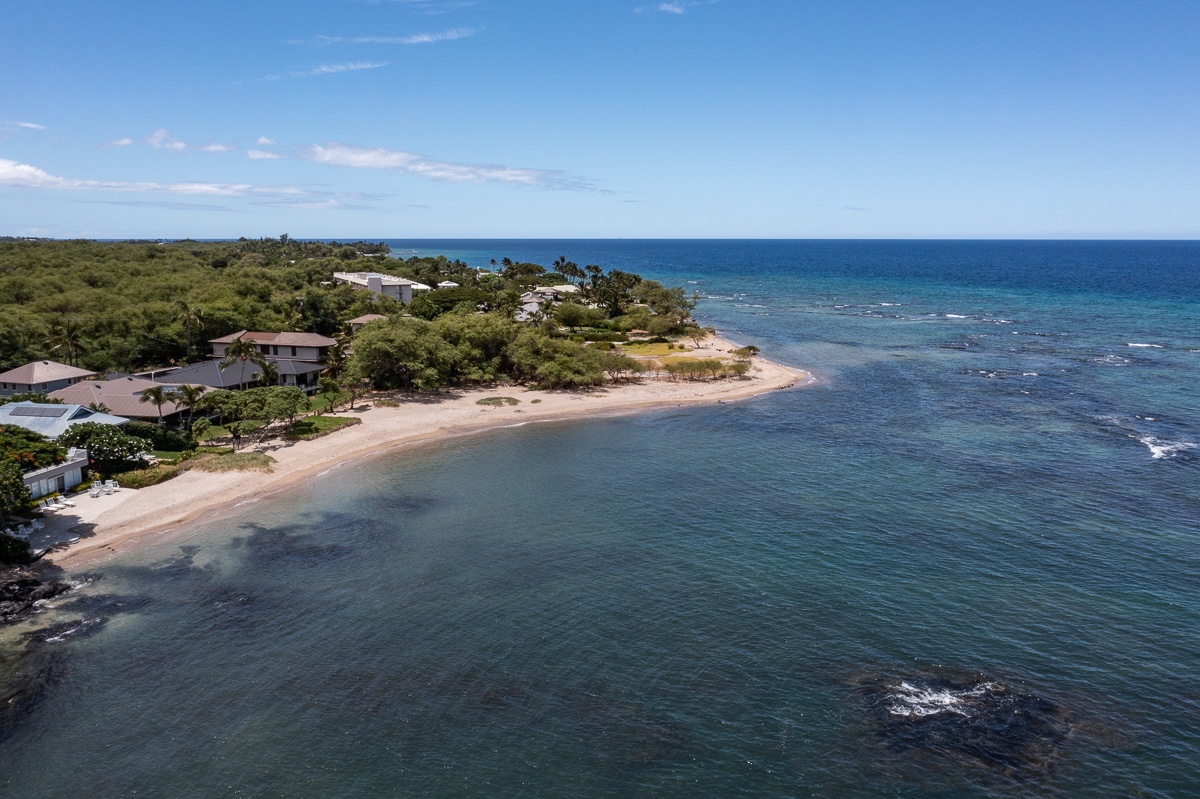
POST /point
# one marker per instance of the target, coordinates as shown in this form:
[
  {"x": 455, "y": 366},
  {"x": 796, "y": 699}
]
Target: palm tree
[
  {"x": 335, "y": 358},
  {"x": 192, "y": 317},
  {"x": 66, "y": 334},
  {"x": 158, "y": 397},
  {"x": 242, "y": 350},
  {"x": 268, "y": 373},
  {"x": 189, "y": 397}
]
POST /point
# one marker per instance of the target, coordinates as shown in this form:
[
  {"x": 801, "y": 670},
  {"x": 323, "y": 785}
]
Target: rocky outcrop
[{"x": 22, "y": 588}]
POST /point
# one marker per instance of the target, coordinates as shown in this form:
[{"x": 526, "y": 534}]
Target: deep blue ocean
[{"x": 966, "y": 564}]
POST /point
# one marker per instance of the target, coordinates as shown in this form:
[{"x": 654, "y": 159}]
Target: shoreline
[{"x": 134, "y": 520}]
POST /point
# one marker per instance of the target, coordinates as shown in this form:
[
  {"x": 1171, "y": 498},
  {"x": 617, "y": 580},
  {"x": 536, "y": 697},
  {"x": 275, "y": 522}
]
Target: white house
[
  {"x": 52, "y": 420},
  {"x": 299, "y": 357},
  {"x": 398, "y": 288}
]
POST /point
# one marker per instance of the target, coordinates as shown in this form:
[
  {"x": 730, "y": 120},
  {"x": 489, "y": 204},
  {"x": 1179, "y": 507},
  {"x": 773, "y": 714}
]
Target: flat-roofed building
[{"x": 398, "y": 288}]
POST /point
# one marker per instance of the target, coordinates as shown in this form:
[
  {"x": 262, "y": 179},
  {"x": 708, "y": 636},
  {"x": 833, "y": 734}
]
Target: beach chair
[
  {"x": 108, "y": 489},
  {"x": 115, "y": 486},
  {"x": 94, "y": 491},
  {"x": 65, "y": 501},
  {"x": 38, "y": 524}
]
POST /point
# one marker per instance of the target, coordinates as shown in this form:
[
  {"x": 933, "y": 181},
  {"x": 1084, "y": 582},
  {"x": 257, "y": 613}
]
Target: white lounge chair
[
  {"x": 65, "y": 501},
  {"x": 115, "y": 486},
  {"x": 94, "y": 491}
]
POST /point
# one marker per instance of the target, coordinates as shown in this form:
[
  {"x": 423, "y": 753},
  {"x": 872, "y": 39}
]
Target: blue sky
[{"x": 546, "y": 118}]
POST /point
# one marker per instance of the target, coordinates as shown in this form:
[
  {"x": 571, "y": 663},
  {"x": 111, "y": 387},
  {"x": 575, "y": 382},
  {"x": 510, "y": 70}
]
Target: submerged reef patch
[{"x": 968, "y": 716}]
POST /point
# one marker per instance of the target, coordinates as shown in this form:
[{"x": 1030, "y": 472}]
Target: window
[{"x": 293, "y": 352}]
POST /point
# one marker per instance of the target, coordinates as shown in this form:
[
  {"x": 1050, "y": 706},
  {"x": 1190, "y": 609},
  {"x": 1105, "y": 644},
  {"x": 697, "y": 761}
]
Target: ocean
[{"x": 965, "y": 564}]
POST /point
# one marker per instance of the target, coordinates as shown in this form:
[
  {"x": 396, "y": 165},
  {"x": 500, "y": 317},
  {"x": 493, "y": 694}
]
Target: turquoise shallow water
[{"x": 708, "y": 601}]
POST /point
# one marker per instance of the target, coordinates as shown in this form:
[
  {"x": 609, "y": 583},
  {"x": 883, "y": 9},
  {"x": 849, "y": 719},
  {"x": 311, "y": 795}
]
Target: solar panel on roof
[{"x": 51, "y": 413}]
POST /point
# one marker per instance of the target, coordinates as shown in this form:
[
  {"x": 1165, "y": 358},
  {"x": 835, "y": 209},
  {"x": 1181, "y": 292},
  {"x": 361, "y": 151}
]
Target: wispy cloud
[
  {"x": 336, "y": 154},
  {"x": 333, "y": 69},
  {"x": 675, "y": 6},
  {"x": 313, "y": 205},
  {"x": 171, "y": 206},
  {"x": 26, "y": 125},
  {"x": 218, "y": 148},
  {"x": 418, "y": 38},
  {"x": 263, "y": 141},
  {"x": 122, "y": 142},
  {"x": 27, "y": 176},
  {"x": 328, "y": 69},
  {"x": 263, "y": 155},
  {"x": 161, "y": 140},
  {"x": 432, "y": 6}
]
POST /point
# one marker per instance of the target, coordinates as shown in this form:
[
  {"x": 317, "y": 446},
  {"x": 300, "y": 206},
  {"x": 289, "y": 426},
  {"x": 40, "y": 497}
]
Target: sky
[{"x": 600, "y": 119}]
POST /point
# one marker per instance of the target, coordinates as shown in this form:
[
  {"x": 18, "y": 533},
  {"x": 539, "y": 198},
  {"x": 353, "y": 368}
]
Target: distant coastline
[{"x": 170, "y": 511}]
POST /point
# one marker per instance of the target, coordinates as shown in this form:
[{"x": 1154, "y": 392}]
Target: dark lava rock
[
  {"x": 21, "y": 589},
  {"x": 967, "y": 716}
]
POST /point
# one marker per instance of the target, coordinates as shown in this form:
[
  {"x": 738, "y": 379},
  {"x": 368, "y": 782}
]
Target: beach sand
[{"x": 170, "y": 511}]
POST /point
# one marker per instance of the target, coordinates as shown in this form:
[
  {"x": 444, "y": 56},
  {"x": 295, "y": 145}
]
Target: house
[
  {"x": 542, "y": 298},
  {"x": 52, "y": 420},
  {"x": 58, "y": 478},
  {"x": 299, "y": 357},
  {"x": 278, "y": 346},
  {"x": 398, "y": 288},
  {"x": 358, "y": 321},
  {"x": 40, "y": 377},
  {"x": 447, "y": 284},
  {"x": 122, "y": 396},
  {"x": 212, "y": 375}
]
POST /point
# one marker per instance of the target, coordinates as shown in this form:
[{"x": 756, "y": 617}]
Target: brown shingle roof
[
  {"x": 37, "y": 372},
  {"x": 121, "y": 396},
  {"x": 286, "y": 339}
]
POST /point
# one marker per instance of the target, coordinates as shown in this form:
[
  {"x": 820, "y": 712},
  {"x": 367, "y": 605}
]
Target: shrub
[
  {"x": 13, "y": 550},
  {"x": 153, "y": 475},
  {"x": 496, "y": 402},
  {"x": 161, "y": 438}
]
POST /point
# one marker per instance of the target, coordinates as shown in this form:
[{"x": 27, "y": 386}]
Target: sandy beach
[{"x": 130, "y": 519}]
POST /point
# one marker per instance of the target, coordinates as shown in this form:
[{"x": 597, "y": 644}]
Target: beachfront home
[
  {"x": 212, "y": 374},
  {"x": 122, "y": 396},
  {"x": 398, "y": 288},
  {"x": 299, "y": 357},
  {"x": 60, "y": 477},
  {"x": 447, "y": 284},
  {"x": 40, "y": 377},
  {"x": 52, "y": 420}
]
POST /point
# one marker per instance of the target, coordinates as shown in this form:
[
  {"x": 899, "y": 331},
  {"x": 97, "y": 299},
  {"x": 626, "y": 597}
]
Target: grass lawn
[
  {"x": 233, "y": 462},
  {"x": 311, "y": 427},
  {"x": 657, "y": 350},
  {"x": 319, "y": 402}
]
